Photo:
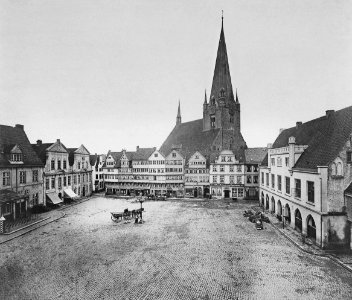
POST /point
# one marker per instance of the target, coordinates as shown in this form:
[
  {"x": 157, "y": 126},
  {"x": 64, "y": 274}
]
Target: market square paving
[{"x": 186, "y": 249}]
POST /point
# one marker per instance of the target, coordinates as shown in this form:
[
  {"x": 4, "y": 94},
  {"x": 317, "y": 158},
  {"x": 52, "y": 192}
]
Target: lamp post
[{"x": 141, "y": 201}]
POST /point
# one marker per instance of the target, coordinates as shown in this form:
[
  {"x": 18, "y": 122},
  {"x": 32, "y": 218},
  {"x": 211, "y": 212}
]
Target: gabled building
[
  {"x": 174, "y": 173},
  {"x": 306, "y": 177},
  {"x": 81, "y": 171},
  {"x": 21, "y": 171},
  {"x": 197, "y": 176},
  {"x": 57, "y": 175},
  {"x": 97, "y": 162}
]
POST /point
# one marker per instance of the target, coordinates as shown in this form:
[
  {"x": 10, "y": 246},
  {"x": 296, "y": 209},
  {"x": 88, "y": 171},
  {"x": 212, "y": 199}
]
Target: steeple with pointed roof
[{"x": 178, "y": 118}]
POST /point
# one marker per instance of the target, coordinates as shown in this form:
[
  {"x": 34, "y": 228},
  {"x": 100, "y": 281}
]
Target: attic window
[
  {"x": 16, "y": 157},
  {"x": 156, "y": 155},
  {"x": 173, "y": 154}
]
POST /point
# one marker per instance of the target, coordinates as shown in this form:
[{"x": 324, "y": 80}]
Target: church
[{"x": 220, "y": 127}]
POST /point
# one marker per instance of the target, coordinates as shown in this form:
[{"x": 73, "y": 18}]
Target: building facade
[
  {"x": 97, "y": 162},
  {"x": 306, "y": 174},
  {"x": 21, "y": 170}
]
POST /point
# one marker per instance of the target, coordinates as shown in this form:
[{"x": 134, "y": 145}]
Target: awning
[
  {"x": 53, "y": 198},
  {"x": 71, "y": 194}
]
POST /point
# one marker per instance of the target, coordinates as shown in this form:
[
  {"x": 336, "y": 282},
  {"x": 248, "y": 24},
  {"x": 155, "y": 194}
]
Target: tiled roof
[
  {"x": 10, "y": 136},
  {"x": 9, "y": 196},
  {"x": 140, "y": 154},
  {"x": 325, "y": 137},
  {"x": 255, "y": 155},
  {"x": 143, "y": 153},
  {"x": 191, "y": 137},
  {"x": 71, "y": 155}
]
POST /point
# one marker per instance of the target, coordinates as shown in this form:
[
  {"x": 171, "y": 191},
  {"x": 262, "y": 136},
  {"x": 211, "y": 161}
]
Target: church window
[
  {"x": 222, "y": 92},
  {"x": 212, "y": 121}
]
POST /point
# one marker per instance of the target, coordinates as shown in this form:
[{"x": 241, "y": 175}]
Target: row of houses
[
  {"x": 223, "y": 174},
  {"x": 41, "y": 173}
]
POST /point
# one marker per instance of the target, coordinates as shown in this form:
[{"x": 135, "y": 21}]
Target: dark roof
[
  {"x": 11, "y": 136},
  {"x": 41, "y": 150},
  {"x": 190, "y": 137},
  {"x": 143, "y": 153},
  {"x": 255, "y": 155},
  {"x": 71, "y": 155},
  {"x": 349, "y": 189},
  {"x": 324, "y": 136},
  {"x": 93, "y": 159},
  {"x": 9, "y": 196}
]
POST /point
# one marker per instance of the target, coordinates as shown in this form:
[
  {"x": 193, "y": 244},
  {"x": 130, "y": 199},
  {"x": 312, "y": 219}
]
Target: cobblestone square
[{"x": 186, "y": 249}]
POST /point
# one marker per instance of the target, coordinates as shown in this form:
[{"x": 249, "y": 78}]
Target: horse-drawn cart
[{"x": 127, "y": 215}]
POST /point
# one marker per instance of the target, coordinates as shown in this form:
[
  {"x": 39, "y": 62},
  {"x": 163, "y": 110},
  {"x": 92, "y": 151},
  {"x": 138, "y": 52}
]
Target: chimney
[
  {"x": 19, "y": 126},
  {"x": 298, "y": 124},
  {"x": 137, "y": 148},
  {"x": 329, "y": 113},
  {"x": 39, "y": 142},
  {"x": 58, "y": 141}
]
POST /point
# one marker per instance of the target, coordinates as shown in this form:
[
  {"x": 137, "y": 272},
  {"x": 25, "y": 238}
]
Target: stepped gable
[
  {"x": 255, "y": 155},
  {"x": 11, "y": 136},
  {"x": 191, "y": 138},
  {"x": 325, "y": 137}
]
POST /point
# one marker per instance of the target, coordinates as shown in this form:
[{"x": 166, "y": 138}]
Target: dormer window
[{"x": 16, "y": 157}]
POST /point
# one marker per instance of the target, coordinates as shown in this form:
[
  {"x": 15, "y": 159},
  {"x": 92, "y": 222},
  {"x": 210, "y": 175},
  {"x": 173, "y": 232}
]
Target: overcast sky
[{"x": 109, "y": 74}]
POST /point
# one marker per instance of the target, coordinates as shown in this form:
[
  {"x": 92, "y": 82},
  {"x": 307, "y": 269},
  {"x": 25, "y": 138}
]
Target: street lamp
[{"x": 141, "y": 201}]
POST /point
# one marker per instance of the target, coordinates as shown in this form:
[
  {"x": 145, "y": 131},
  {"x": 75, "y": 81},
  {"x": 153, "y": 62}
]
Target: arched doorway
[
  {"x": 267, "y": 202},
  {"x": 262, "y": 199},
  {"x": 272, "y": 205},
  {"x": 288, "y": 213},
  {"x": 311, "y": 229},
  {"x": 298, "y": 220},
  {"x": 279, "y": 208}
]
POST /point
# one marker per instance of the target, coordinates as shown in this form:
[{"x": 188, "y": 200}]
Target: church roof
[
  {"x": 324, "y": 136},
  {"x": 11, "y": 136},
  {"x": 188, "y": 138},
  {"x": 222, "y": 77}
]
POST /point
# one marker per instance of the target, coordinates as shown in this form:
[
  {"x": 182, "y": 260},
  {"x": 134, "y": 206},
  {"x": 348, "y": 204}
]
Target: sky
[{"x": 109, "y": 74}]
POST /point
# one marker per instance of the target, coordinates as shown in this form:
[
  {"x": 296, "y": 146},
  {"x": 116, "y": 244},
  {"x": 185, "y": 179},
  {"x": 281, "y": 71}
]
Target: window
[
  {"x": 47, "y": 184},
  {"x": 53, "y": 182},
  {"x": 16, "y": 157},
  {"x": 273, "y": 181},
  {"x": 212, "y": 121},
  {"x": 214, "y": 169},
  {"x": 267, "y": 179},
  {"x": 239, "y": 168},
  {"x": 52, "y": 167},
  {"x": 229, "y": 158},
  {"x": 60, "y": 182},
  {"x": 231, "y": 168},
  {"x": 222, "y": 169},
  {"x": 249, "y": 168},
  {"x": 155, "y": 154},
  {"x": 239, "y": 179},
  {"x": 68, "y": 180},
  {"x": 279, "y": 187},
  {"x": 298, "y": 188},
  {"x": 223, "y": 158},
  {"x": 35, "y": 198},
  {"x": 79, "y": 165},
  {"x": 240, "y": 193},
  {"x": 279, "y": 162},
  {"x": 249, "y": 179},
  {"x": 59, "y": 164},
  {"x": 262, "y": 178},
  {"x": 222, "y": 179},
  {"x": 255, "y": 179},
  {"x": 174, "y": 154},
  {"x": 79, "y": 178},
  {"x": 215, "y": 180},
  {"x": 286, "y": 161},
  {"x": 287, "y": 185},
  {"x": 232, "y": 179},
  {"x": 310, "y": 190},
  {"x": 339, "y": 169},
  {"x": 273, "y": 161},
  {"x": 349, "y": 157},
  {"x": 65, "y": 181},
  {"x": 64, "y": 164},
  {"x": 6, "y": 178},
  {"x": 22, "y": 177},
  {"x": 74, "y": 179},
  {"x": 35, "y": 176}
]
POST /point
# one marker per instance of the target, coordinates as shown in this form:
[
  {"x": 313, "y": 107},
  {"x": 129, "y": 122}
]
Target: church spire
[
  {"x": 178, "y": 118},
  {"x": 205, "y": 98},
  {"x": 236, "y": 96},
  {"x": 222, "y": 77}
]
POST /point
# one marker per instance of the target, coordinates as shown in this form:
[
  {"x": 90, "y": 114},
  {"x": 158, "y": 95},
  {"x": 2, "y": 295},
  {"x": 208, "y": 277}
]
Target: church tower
[
  {"x": 223, "y": 109},
  {"x": 178, "y": 118}
]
